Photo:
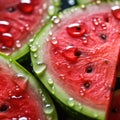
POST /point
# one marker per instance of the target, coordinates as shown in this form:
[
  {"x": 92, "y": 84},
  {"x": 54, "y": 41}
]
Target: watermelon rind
[
  {"x": 40, "y": 70},
  {"x": 85, "y": 2},
  {"x": 51, "y": 114},
  {"x": 53, "y": 9}
]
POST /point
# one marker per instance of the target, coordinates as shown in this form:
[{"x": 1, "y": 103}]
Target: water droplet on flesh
[
  {"x": 116, "y": 12},
  {"x": 4, "y": 26},
  {"x": 22, "y": 118},
  {"x": 26, "y": 7},
  {"x": 76, "y": 29}
]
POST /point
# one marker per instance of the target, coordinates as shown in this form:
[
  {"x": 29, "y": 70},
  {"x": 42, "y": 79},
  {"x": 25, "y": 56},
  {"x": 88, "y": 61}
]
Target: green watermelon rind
[
  {"x": 85, "y": 2},
  {"x": 39, "y": 89},
  {"x": 25, "y": 48},
  {"x": 53, "y": 88}
]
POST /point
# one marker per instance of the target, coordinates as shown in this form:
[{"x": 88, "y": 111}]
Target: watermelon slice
[
  {"x": 21, "y": 95},
  {"x": 75, "y": 56},
  {"x": 20, "y": 20},
  {"x": 115, "y": 107}
]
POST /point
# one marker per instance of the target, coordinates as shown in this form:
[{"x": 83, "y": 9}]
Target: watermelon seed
[
  {"x": 77, "y": 53},
  {"x": 114, "y": 110},
  {"x": 71, "y": 102},
  {"x": 87, "y": 84},
  {"x": 48, "y": 109},
  {"x": 103, "y": 36},
  {"x": 11, "y": 9},
  {"x": 4, "y": 108},
  {"x": 89, "y": 69}
]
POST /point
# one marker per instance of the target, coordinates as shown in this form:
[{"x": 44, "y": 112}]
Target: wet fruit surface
[
  {"x": 17, "y": 96},
  {"x": 82, "y": 58},
  {"x": 19, "y": 20}
]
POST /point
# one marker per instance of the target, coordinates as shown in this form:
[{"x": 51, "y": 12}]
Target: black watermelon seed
[{"x": 4, "y": 108}]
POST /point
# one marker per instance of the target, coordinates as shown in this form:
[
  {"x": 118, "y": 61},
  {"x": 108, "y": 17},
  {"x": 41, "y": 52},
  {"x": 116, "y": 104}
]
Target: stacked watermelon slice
[{"x": 76, "y": 55}]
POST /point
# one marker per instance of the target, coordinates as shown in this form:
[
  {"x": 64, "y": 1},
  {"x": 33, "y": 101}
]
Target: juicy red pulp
[
  {"x": 82, "y": 56},
  {"x": 18, "y": 22},
  {"x": 18, "y": 100}
]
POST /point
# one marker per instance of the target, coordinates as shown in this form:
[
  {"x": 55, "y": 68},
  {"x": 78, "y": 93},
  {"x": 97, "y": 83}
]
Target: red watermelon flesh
[
  {"x": 82, "y": 54},
  {"x": 19, "y": 20},
  {"x": 18, "y": 99},
  {"x": 115, "y": 106}
]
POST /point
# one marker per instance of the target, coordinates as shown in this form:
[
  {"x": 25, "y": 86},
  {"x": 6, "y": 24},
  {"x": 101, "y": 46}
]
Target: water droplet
[
  {"x": 4, "y": 26},
  {"x": 53, "y": 90},
  {"x": 54, "y": 41},
  {"x": 7, "y": 39},
  {"x": 76, "y": 29},
  {"x": 50, "y": 82},
  {"x": 18, "y": 43},
  {"x": 22, "y": 118},
  {"x": 48, "y": 109},
  {"x": 95, "y": 115},
  {"x": 116, "y": 12},
  {"x": 25, "y": 7},
  {"x": 35, "y": 55},
  {"x": 71, "y": 2},
  {"x": 33, "y": 48},
  {"x": 98, "y": 1},
  {"x": 16, "y": 97},
  {"x": 62, "y": 76},
  {"x": 80, "y": 106},
  {"x": 55, "y": 19},
  {"x": 50, "y": 33},
  {"x": 40, "y": 68},
  {"x": 71, "y": 102},
  {"x": 85, "y": 42},
  {"x": 43, "y": 97},
  {"x": 71, "y": 53},
  {"x": 82, "y": 92},
  {"x": 104, "y": 27},
  {"x": 40, "y": 91},
  {"x": 51, "y": 10}
]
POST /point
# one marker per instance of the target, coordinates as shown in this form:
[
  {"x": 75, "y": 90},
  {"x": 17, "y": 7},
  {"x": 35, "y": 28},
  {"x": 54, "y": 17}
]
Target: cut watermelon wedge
[
  {"x": 21, "y": 95},
  {"x": 75, "y": 56},
  {"x": 20, "y": 20}
]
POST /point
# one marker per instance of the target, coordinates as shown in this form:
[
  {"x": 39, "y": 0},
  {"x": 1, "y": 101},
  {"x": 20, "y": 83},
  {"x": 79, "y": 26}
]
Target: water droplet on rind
[
  {"x": 50, "y": 82},
  {"x": 51, "y": 10},
  {"x": 55, "y": 19},
  {"x": 80, "y": 106},
  {"x": 71, "y": 102},
  {"x": 33, "y": 48},
  {"x": 48, "y": 109},
  {"x": 40, "y": 68}
]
